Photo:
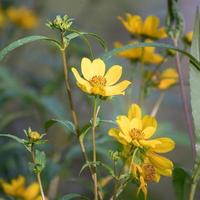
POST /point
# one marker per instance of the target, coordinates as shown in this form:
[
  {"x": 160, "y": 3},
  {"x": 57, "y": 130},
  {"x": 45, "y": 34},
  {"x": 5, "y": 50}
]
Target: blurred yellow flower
[
  {"x": 2, "y": 18},
  {"x": 148, "y": 28},
  {"x": 167, "y": 78},
  {"x": 17, "y": 189},
  {"x": 23, "y": 17},
  {"x": 145, "y": 55},
  {"x": 188, "y": 37},
  {"x": 96, "y": 82},
  {"x": 35, "y": 136}
]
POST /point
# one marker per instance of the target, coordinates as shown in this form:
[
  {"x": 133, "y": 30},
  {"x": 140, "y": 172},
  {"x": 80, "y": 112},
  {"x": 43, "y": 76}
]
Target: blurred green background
[{"x": 32, "y": 91}]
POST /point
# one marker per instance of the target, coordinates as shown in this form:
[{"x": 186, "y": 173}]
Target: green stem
[{"x": 95, "y": 113}]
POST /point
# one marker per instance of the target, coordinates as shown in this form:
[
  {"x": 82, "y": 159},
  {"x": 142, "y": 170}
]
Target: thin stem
[
  {"x": 192, "y": 191},
  {"x": 157, "y": 104},
  {"x": 38, "y": 176},
  {"x": 73, "y": 112},
  {"x": 95, "y": 113},
  {"x": 184, "y": 99}
]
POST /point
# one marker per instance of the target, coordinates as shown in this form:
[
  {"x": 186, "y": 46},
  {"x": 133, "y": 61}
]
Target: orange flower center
[
  {"x": 136, "y": 134},
  {"x": 149, "y": 172},
  {"x": 98, "y": 81}
]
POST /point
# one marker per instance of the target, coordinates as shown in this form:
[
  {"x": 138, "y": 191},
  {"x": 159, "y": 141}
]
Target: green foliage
[{"x": 181, "y": 179}]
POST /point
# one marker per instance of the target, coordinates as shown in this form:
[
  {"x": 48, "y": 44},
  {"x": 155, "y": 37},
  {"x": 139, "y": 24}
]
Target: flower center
[
  {"x": 136, "y": 134},
  {"x": 149, "y": 172},
  {"x": 98, "y": 81}
]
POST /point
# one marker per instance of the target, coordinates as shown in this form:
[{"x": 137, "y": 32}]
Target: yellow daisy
[
  {"x": 96, "y": 82},
  {"x": 17, "y": 189},
  {"x": 188, "y": 37},
  {"x": 145, "y": 55},
  {"x": 148, "y": 28}
]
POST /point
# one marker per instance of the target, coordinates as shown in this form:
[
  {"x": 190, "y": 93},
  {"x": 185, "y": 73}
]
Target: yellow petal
[
  {"x": 82, "y": 83},
  {"x": 124, "y": 124},
  {"x": 98, "y": 67},
  {"x": 86, "y": 68},
  {"x": 149, "y": 131},
  {"x": 164, "y": 172},
  {"x": 149, "y": 143},
  {"x": 136, "y": 123},
  {"x": 160, "y": 162},
  {"x": 134, "y": 111},
  {"x": 32, "y": 191},
  {"x": 165, "y": 146},
  {"x": 113, "y": 132},
  {"x": 149, "y": 121},
  {"x": 117, "y": 89},
  {"x": 157, "y": 178},
  {"x": 113, "y": 75},
  {"x": 151, "y": 24}
]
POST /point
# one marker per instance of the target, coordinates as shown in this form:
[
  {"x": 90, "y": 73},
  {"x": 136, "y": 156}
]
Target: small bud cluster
[{"x": 61, "y": 23}]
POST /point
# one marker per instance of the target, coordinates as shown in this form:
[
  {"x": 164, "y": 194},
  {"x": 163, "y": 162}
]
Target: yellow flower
[
  {"x": 167, "y": 78},
  {"x": 188, "y": 37},
  {"x": 22, "y": 17},
  {"x": 145, "y": 55},
  {"x": 34, "y": 136},
  {"x": 96, "y": 82},
  {"x": 17, "y": 189},
  {"x": 148, "y": 28}
]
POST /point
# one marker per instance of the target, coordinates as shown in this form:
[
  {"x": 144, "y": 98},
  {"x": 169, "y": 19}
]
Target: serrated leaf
[
  {"x": 23, "y": 41},
  {"x": 67, "y": 124},
  {"x": 73, "y": 196},
  {"x": 195, "y": 62},
  {"x": 181, "y": 180},
  {"x": 195, "y": 84}
]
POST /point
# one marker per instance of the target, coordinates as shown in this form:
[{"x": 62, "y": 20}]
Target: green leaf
[
  {"x": 24, "y": 41},
  {"x": 13, "y": 137},
  {"x": 76, "y": 34},
  {"x": 40, "y": 160},
  {"x": 195, "y": 62},
  {"x": 181, "y": 180},
  {"x": 73, "y": 196},
  {"x": 66, "y": 124},
  {"x": 84, "y": 131},
  {"x": 195, "y": 85}
]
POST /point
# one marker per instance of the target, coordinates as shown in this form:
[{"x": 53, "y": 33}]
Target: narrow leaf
[
  {"x": 13, "y": 137},
  {"x": 22, "y": 42}
]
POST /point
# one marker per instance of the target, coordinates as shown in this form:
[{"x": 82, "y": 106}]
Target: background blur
[{"x": 32, "y": 90}]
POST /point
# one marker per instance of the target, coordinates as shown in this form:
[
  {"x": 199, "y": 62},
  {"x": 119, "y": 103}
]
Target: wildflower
[
  {"x": 167, "y": 79},
  {"x": 188, "y": 38},
  {"x": 17, "y": 189},
  {"x": 34, "y": 136},
  {"x": 96, "y": 82},
  {"x": 23, "y": 17},
  {"x": 135, "y": 130},
  {"x": 148, "y": 28},
  {"x": 145, "y": 55}
]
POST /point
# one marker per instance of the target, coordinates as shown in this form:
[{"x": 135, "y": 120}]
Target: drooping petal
[
  {"x": 149, "y": 143},
  {"x": 114, "y": 132},
  {"x": 113, "y": 75},
  {"x": 165, "y": 146},
  {"x": 149, "y": 131},
  {"x": 86, "y": 68},
  {"x": 149, "y": 121},
  {"x": 134, "y": 111},
  {"x": 82, "y": 83},
  {"x": 160, "y": 162},
  {"x": 32, "y": 191},
  {"x": 136, "y": 123},
  {"x": 117, "y": 89},
  {"x": 164, "y": 172},
  {"x": 157, "y": 178},
  {"x": 151, "y": 24},
  {"x": 98, "y": 66}
]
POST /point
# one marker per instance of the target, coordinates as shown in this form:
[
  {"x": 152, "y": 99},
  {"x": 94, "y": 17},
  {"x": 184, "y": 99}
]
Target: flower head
[
  {"x": 188, "y": 38},
  {"x": 96, "y": 82},
  {"x": 148, "y": 28},
  {"x": 145, "y": 55},
  {"x": 17, "y": 189},
  {"x": 167, "y": 79},
  {"x": 23, "y": 17}
]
